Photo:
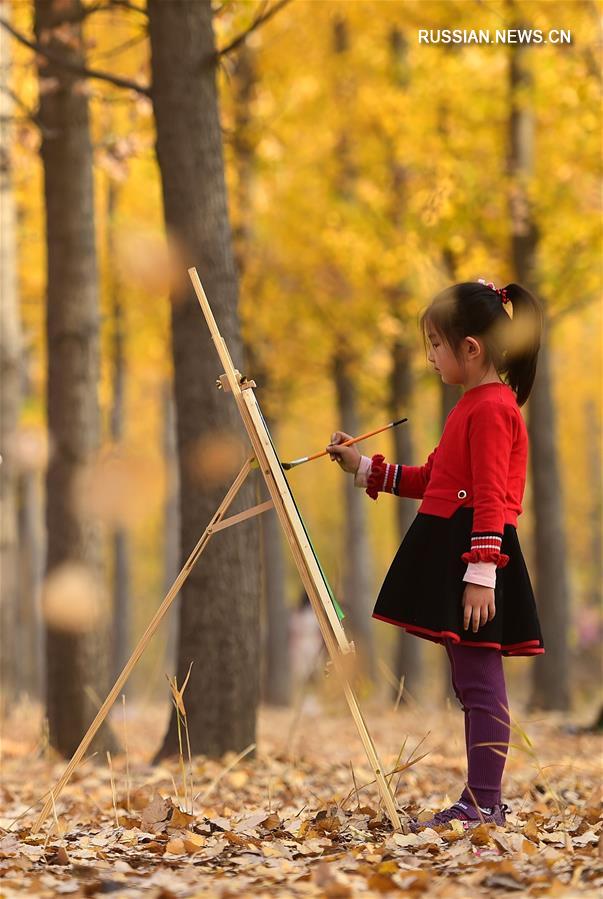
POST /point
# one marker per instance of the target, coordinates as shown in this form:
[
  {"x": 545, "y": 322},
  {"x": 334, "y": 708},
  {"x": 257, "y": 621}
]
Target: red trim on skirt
[{"x": 512, "y": 648}]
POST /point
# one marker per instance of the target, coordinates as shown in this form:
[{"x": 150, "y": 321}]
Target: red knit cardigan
[{"x": 480, "y": 461}]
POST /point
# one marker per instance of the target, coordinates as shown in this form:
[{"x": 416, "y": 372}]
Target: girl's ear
[{"x": 473, "y": 347}]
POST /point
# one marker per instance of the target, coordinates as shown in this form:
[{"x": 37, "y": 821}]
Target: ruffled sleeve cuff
[
  {"x": 384, "y": 477},
  {"x": 376, "y": 476},
  {"x": 485, "y": 547}
]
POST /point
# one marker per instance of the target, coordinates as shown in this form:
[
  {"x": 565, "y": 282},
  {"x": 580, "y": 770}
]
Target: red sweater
[{"x": 480, "y": 461}]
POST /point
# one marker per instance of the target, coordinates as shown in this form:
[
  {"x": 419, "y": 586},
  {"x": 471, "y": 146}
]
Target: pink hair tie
[{"x": 500, "y": 290}]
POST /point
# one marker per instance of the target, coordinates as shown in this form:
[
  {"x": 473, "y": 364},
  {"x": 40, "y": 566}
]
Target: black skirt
[{"x": 423, "y": 589}]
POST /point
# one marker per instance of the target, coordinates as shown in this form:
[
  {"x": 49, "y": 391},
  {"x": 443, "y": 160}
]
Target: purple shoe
[{"x": 466, "y": 813}]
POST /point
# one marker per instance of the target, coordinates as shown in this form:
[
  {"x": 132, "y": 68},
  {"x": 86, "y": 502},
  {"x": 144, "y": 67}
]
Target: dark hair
[{"x": 511, "y": 343}]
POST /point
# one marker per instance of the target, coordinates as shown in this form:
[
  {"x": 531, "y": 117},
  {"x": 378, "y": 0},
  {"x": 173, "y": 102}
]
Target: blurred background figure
[{"x": 306, "y": 643}]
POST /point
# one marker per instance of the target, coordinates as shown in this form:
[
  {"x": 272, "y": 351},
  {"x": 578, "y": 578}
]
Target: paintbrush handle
[
  {"x": 296, "y": 462},
  {"x": 353, "y": 440}
]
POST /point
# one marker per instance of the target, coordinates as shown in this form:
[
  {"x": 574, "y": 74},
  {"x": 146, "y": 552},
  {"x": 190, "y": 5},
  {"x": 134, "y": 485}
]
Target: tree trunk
[
  {"x": 10, "y": 400},
  {"x": 551, "y": 672},
  {"x": 450, "y": 393},
  {"x": 408, "y": 648},
  {"x": 29, "y": 637},
  {"x": 595, "y": 479},
  {"x": 243, "y": 143},
  {"x": 171, "y": 518},
  {"x": 219, "y": 620},
  {"x": 408, "y": 659},
  {"x": 357, "y": 593},
  {"x": 76, "y": 669},
  {"x": 357, "y": 582},
  {"x": 346, "y": 168},
  {"x": 449, "y": 397},
  {"x": 30, "y": 633},
  {"x": 119, "y": 537},
  {"x": 277, "y": 617},
  {"x": 277, "y": 667}
]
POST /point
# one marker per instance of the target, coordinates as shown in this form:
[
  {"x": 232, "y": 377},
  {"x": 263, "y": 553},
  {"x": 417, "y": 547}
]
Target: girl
[{"x": 459, "y": 577}]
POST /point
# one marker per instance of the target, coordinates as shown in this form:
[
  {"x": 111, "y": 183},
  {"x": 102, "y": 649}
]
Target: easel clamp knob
[{"x": 244, "y": 383}]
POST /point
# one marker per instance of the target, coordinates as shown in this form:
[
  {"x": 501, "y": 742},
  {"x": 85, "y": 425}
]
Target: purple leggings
[{"x": 479, "y": 683}]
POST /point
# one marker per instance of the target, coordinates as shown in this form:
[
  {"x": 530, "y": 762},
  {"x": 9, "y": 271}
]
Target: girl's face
[{"x": 443, "y": 359}]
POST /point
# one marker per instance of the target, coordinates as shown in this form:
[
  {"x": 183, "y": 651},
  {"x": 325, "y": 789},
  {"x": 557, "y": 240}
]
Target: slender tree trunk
[
  {"x": 219, "y": 620},
  {"x": 408, "y": 659},
  {"x": 346, "y": 168},
  {"x": 276, "y": 629},
  {"x": 30, "y": 632},
  {"x": 450, "y": 393},
  {"x": 588, "y": 661},
  {"x": 29, "y": 637},
  {"x": 76, "y": 663},
  {"x": 119, "y": 537},
  {"x": 276, "y": 668},
  {"x": 121, "y": 600},
  {"x": 171, "y": 518},
  {"x": 408, "y": 648},
  {"x": 595, "y": 480},
  {"x": 10, "y": 400},
  {"x": 243, "y": 143},
  {"x": 551, "y": 672},
  {"x": 449, "y": 396},
  {"x": 357, "y": 579}
]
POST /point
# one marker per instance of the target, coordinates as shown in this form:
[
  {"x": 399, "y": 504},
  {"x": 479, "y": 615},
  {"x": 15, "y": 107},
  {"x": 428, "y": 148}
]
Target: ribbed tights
[{"x": 479, "y": 684}]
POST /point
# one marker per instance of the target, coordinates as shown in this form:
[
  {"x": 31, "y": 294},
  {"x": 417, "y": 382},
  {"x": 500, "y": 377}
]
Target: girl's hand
[
  {"x": 347, "y": 456},
  {"x": 478, "y": 606}
]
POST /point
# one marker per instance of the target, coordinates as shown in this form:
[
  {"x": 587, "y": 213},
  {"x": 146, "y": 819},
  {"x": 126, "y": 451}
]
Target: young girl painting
[{"x": 459, "y": 577}]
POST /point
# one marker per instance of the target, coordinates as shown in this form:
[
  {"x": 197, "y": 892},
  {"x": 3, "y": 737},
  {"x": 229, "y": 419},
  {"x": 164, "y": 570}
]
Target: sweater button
[{"x": 462, "y": 494}]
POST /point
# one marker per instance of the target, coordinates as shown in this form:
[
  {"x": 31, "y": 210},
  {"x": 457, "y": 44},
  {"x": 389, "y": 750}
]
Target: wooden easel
[{"x": 265, "y": 457}]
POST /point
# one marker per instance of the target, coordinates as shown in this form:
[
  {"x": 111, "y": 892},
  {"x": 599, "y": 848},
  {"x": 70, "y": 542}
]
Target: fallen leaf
[
  {"x": 480, "y": 835},
  {"x": 179, "y": 819},
  {"x": 175, "y": 846},
  {"x": 157, "y": 810},
  {"x": 381, "y": 883},
  {"x": 531, "y": 830}
]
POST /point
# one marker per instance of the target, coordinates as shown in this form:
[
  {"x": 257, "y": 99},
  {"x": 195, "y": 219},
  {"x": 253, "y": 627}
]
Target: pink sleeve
[
  {"x": 483, "y": 573},
  {"x": 362, "y": 472}
]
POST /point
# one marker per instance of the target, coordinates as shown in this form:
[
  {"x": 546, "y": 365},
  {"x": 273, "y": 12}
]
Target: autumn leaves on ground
[{"x": 301, "y": 817}]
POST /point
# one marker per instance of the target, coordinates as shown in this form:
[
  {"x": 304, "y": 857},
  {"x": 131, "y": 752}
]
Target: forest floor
[{"x": 296, "y": 818}]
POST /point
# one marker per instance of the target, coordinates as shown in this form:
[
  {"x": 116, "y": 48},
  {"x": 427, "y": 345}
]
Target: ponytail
[{"x": 523, "y": 340}]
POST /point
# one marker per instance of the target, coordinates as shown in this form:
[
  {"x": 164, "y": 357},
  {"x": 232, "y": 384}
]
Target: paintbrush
[{"x": 392, "y": 424}]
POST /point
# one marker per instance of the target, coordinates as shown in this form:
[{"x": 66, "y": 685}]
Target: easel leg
[
  {"x": 367, "y": 741},
  {"x": 142, "y": 644},
  {"x": 369, "y": 748}
]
